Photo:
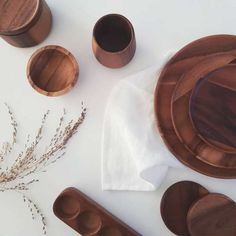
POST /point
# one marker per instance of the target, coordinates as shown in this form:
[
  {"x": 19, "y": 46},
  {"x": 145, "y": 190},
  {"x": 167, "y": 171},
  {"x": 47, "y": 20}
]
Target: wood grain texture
[
  {"x": 212, "y": 215},
  {"x": 113, "y": 41},
  {"x": 176, "y": 202},
  {"x": 52, "y": 70},
  {"x": 213, "y": 110},
  {"x": 182, "y": 62},
  {"x": 89, "y": 218},
  {"x": 180, "y": 105},
  {"x": 24, "y": 23}
]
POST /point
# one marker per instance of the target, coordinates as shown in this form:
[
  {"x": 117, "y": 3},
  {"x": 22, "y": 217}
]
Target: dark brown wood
[
  {"x": 52, "y": 70},
  {"x": 182, "y": 62},
  {"x": 24, "y": 23},
  {"x": 212, "y": 215},
  {"x": 87, "y": 217},
  {"x": 213, "y": 110},
  {"x": 180, "y": 105},
  {"x": 113, "y": 42},
  {"x": 176, "y": 202}
]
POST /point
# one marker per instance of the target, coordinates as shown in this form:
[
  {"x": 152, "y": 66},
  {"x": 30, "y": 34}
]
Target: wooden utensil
[
  {"x": 180, "y": 105},
  {"x": 213, "y": 110},
  {"x": 175, "y": 204},
  {"x": 183, "y": 61},
  {"x": 113, "y": 42},
  {"x": 52, "y": 70},
  {"x": 212, "y": 215},
  {"x": 24, "y": 23},
  {"x": 86, "y": 217}
]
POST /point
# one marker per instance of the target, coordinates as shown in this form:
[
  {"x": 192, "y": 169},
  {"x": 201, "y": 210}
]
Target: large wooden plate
[
  {"x": 183, "y": 124},
  {"x": 182, "y": 62}
]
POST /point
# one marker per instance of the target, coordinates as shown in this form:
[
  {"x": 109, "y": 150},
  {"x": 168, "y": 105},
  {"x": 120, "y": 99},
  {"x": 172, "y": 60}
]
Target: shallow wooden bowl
[{"x": 52, "y": 70}]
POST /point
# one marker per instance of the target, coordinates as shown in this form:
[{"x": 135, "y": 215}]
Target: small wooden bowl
[
  {"x": 113, "y": 42},
  {"x": 24, "y": 23},
  {"x": 52, "y": 71}
]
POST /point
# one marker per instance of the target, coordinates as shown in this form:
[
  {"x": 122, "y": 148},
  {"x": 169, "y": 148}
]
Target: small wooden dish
[
  {"x": 113, "y": 42},
  {"x": 24, "y": 23},
  {"x": 213, "y": 111},
  {"x": 182, "y": 62},
  {"x": 214, "y": 214},
  {"x": 86, "y": 217},
  {"x": 176, "y": 202},
  {"x": 52, "y": 71}
]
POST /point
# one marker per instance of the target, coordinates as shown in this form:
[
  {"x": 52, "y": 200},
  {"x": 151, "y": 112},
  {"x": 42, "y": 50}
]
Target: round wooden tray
[
  {"x": 214, "y": 214},
  {"x": 212, "y": 108},
  {"x": 182, "y": 62},
  {"x": 184, "y": 128}
]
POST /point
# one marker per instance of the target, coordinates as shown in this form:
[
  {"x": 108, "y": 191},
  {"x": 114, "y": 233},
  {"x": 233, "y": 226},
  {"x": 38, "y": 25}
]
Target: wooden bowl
[
  {"x": 24, "y": 23},
  {"x": 113, "y": 42},
  {"x": 52, "y": 71}
]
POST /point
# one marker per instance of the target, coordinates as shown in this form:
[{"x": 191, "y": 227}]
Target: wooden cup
[
  {"x": 113, "y": 41},
  {"x": 24, "y": 23},
  {"x": 52, "y": 71}
]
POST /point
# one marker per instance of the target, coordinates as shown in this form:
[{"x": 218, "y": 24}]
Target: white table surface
[{"x": 160, "y": 27}]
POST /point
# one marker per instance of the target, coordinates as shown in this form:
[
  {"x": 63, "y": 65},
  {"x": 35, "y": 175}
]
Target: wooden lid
[
  {"x": 176, "y": 202},
  {"x": 18, "y": 15},
  {"x": 213, "y": 110},
  {"x": 212, "y": 215}
]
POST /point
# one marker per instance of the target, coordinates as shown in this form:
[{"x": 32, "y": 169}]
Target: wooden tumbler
[
  {"x": 113, "y": 41},
  {"x": 52, "y": 70},
  {"x": 24, "y": 23}
]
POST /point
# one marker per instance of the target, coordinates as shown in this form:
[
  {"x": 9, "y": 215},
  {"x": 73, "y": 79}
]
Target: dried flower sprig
[{"x": 29, "y": 161}]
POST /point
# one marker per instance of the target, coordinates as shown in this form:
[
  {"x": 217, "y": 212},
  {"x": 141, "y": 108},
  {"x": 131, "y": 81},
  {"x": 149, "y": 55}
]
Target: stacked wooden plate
[{"x": 195, "y": 105}]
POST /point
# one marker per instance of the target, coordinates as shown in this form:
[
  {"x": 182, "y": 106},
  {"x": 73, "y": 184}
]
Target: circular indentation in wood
[
  {"x": 16, "y": 15},
  {"x": 88, "y": 223},
  {"x": 175, "y": 204},
  {"x": 213, "y": 110},
  {"x": 52, "y": 70},
  {"x": 113, "y": 32},
  {"x": 214, "y": 214},
  {"x": 110, "y": 231},
  {"x": 67, "y": 206}
]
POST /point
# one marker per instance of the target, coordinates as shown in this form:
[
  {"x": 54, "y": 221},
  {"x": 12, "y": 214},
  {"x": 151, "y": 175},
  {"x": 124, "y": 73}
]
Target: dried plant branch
[{"x": 29, "y": 161}]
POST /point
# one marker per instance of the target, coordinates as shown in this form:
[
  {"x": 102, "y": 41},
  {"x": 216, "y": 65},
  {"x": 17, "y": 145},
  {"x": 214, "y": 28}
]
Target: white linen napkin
[{"x": 134, "y": 156}]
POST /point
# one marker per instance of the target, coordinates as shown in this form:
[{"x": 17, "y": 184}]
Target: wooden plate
[
  {"x": 184, "y": 60},
  {"x": 176, "y": 202},
  {"x": 213, "y": 110},
  {"x": 214, "y": 214},
  {"x": 180, "y": 105}
]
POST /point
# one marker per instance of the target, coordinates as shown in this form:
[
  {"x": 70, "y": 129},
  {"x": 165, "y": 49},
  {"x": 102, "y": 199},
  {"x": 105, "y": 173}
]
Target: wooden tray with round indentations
[
  {"x": 181, "y": 63},
  {"x": 213, "y": 108},
  {"x": 176, "y": 202},
  {"x": 214, "y": 214},
  {"x": 86, "y": 217},
  {"x": 186, "y": 132}
]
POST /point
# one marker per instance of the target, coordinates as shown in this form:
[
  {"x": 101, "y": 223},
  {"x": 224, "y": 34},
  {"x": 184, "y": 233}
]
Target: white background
[{"x": 160, "y": 27}]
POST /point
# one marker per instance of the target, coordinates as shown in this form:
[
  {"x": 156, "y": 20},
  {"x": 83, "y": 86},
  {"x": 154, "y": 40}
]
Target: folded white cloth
[{"x": 134, "y": 156}]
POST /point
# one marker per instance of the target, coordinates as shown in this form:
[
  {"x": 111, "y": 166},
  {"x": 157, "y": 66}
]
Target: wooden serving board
[
  {"x": 213, "y": 108},
  {"x": 178, "y": 65}
]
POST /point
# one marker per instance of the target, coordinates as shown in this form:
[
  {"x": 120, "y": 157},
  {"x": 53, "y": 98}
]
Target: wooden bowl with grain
[{"x": 52, "y": 70}]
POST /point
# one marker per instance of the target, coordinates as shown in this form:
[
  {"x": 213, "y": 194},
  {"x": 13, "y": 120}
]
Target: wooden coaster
[
  {"x": 175, "y": 204},
  {"x": 212, "y": 215},
  {"x": 177, "y": 66},
  {"x": 213, "y": 110}
]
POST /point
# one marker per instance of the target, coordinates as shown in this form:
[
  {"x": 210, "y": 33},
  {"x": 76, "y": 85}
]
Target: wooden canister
[{"x": 24, "y": 23}]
